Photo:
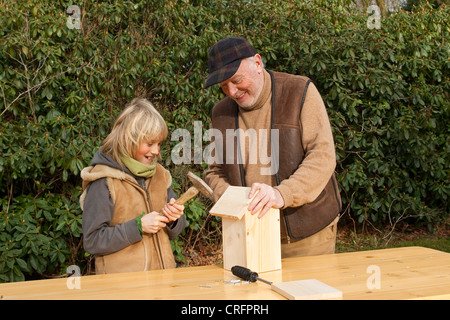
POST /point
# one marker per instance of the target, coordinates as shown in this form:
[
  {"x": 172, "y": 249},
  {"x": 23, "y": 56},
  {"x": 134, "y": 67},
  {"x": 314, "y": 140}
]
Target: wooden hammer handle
[{"x": 189, "y": 194}]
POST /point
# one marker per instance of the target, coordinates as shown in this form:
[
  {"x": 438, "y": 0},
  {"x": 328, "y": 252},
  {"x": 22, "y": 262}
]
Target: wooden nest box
[{"x": 248, "y": 241}]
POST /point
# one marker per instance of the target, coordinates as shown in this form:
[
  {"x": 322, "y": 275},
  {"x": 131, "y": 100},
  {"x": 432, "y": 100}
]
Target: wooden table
[{"x": 401, "y": 273}]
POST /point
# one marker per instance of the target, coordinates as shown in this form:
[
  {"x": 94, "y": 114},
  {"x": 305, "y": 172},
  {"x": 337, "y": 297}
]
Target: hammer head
[{"x": 200, "y": 185}]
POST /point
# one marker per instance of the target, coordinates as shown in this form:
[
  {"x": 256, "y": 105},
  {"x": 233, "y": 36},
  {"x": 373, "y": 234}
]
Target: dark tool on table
[
  {"x": 247, "y": 274},
  {"x": 293, "y": 290}
]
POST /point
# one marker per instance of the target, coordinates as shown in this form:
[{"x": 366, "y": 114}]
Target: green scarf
[{"x": 139, "y": 169}]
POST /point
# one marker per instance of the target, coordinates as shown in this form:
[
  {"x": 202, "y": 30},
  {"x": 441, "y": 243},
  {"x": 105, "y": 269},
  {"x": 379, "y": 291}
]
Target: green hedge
[{"x": 386, "y": 90}]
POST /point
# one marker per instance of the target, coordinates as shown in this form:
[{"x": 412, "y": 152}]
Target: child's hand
[
  {"x": 153, "y": 222},
  {"x": 172, "y": 210}
]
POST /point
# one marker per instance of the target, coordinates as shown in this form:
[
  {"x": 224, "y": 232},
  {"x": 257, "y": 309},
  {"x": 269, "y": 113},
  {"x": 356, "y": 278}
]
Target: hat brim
[{"x": 223, "y": 73}]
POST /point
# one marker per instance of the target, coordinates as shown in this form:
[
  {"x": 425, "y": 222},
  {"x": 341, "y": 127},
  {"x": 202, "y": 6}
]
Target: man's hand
[
  {"x": 172, "y": 210},
  {"x": 266, "y": 198}
]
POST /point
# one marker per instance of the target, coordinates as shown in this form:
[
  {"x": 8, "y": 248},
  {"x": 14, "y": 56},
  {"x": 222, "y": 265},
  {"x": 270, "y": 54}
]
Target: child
[{"x": 124, "y": 190}]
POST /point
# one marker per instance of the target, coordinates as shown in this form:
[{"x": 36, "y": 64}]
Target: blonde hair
[{"x": 138, "y": 122}]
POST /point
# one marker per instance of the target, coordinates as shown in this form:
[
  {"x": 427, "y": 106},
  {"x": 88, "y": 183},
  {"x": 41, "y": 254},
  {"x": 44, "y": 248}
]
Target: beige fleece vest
[{"x": 130, "y": 200}]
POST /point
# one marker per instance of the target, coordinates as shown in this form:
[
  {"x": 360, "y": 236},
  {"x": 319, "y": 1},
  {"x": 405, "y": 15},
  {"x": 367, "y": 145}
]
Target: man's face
[{"x": 246, "y": 84}]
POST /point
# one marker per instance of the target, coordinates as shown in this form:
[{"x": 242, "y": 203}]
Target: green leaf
[{"x": 22, "y": 264}]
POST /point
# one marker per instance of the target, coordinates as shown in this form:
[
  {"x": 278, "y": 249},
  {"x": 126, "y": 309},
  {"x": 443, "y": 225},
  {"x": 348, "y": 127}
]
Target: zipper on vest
[
  {"x": 156, "y": 238},
  {"x": 159, "y": 250}
]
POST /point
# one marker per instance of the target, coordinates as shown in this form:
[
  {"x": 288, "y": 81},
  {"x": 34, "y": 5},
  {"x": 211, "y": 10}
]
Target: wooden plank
[
  {"x": 234, "y": 248},
  {"x": 252, "y": 242},
  {"x": 269, "y": 241},
  {"x": 406, "y": 273},
  {"x": 310, "y": 289},
  {"x": 233, "y": 203}
]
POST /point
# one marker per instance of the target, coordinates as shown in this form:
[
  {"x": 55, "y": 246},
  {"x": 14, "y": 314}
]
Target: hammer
[{"x": 198, "y": 185}]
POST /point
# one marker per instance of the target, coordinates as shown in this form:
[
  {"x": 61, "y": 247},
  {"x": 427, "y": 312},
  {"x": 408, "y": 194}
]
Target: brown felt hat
[{"x": 225, "y": 58}]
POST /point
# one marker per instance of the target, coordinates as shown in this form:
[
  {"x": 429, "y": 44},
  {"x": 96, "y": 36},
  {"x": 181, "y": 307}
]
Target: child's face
[{"x": 147, "y": 151}]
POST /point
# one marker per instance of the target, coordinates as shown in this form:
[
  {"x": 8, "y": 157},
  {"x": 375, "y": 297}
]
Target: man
[{"x": 282, "y": 115}]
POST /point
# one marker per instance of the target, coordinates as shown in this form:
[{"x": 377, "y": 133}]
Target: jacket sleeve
[
  {"x": 98, "y": 237},
  {"x": 215, "y": 178},
  {"x": 311, "y": 177}
]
